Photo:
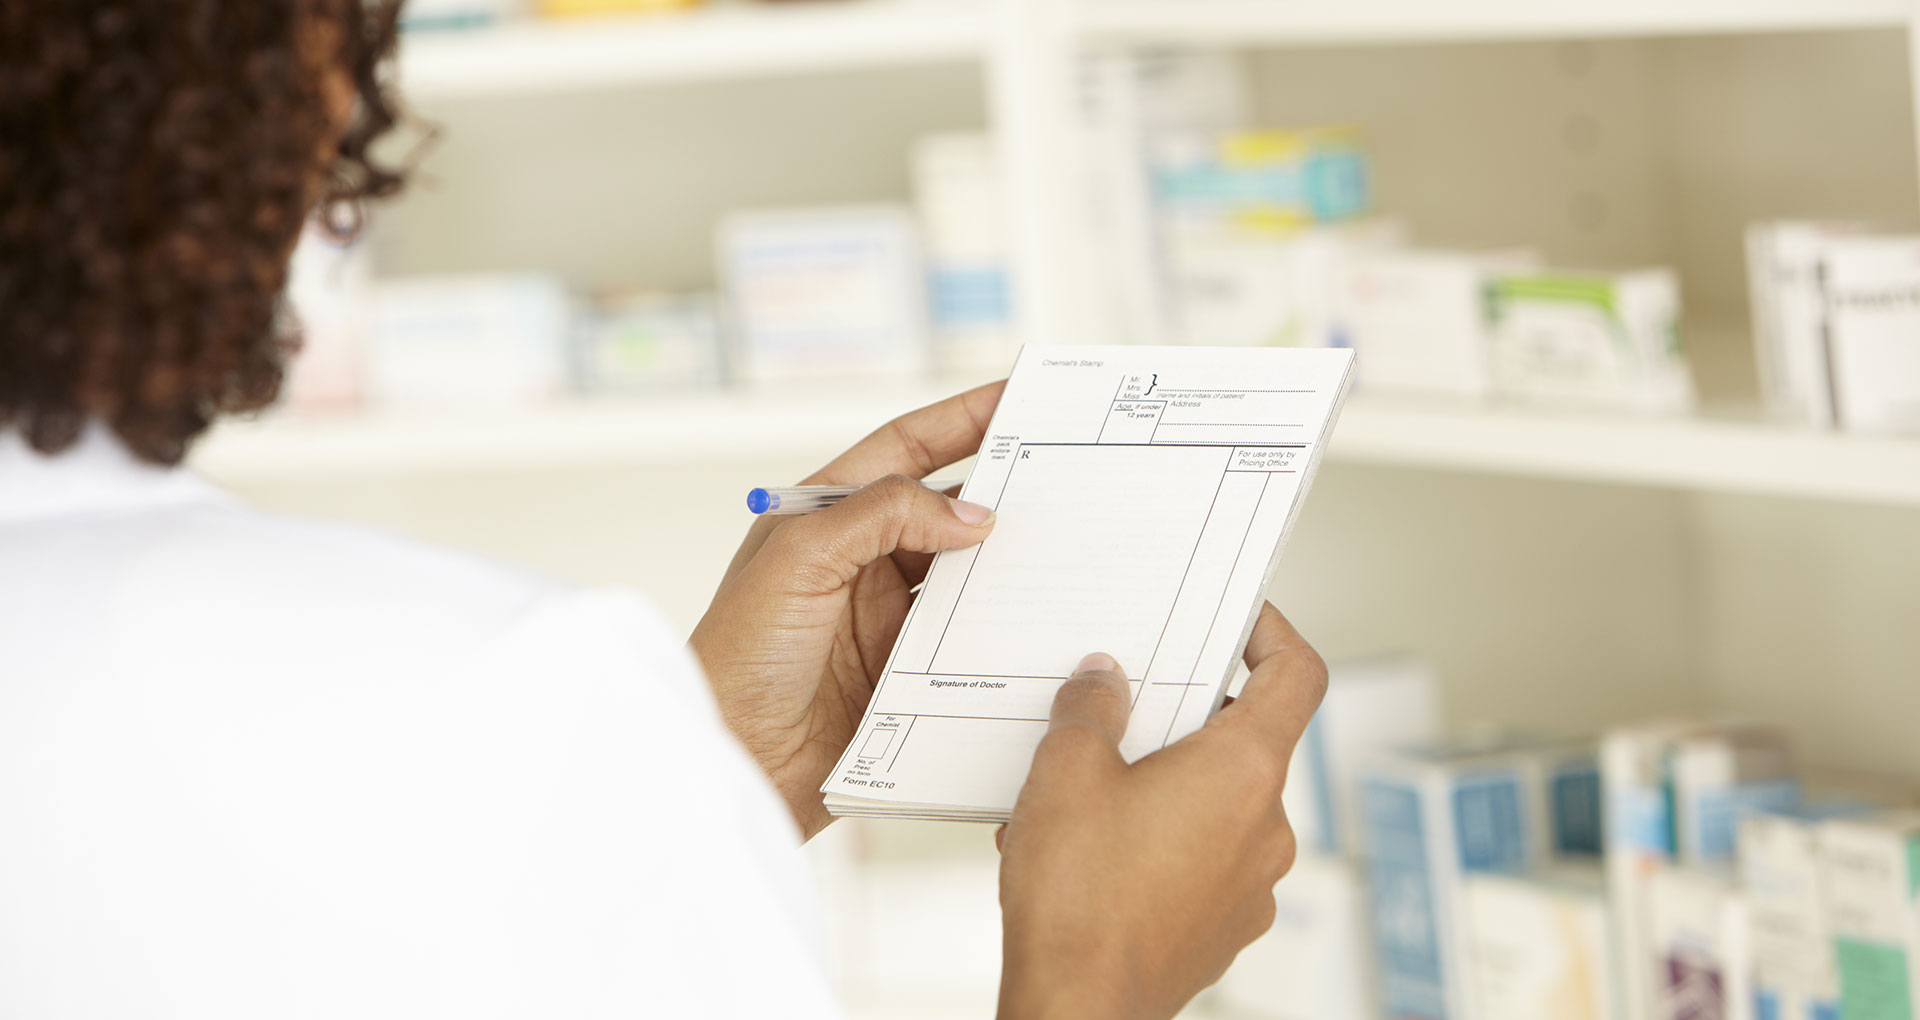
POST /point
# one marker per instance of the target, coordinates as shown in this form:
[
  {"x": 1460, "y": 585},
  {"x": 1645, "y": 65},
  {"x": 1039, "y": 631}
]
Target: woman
[{"x": 258, "y": 767}]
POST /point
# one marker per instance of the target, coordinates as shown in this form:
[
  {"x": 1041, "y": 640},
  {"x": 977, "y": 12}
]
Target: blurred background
[{"x": 1636, "y": 434}]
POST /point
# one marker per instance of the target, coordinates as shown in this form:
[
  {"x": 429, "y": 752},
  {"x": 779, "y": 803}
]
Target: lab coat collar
[{"x": 98, "y": 473}]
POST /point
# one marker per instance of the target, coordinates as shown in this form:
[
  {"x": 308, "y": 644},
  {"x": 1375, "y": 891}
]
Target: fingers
[
  {"x": 1094, "y": 699},
  {"x": 914, "y": 444},
  {"x": 919, "y": 442},
  {"x": 913, "y": 566},
  {"x": 822, "y": 551},
  {"x": 1273, "y": 634},
  {"x": 1287, "y": 682}
]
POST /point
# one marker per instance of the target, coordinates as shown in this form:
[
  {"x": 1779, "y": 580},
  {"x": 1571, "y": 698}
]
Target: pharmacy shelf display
[
  {"x": 1696, "y": 454},
  {"x": 771, "y": 40},
  {"x": 724, "y": 42},
  {"x": 1245, "y": 22},
  {"x": 1026, "y": 50}
]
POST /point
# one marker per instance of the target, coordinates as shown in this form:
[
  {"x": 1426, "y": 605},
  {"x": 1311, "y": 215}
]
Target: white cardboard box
[
  {"x": 960, "y": 196},
  {"x": 1640, "y": 840},
  {"x": 1870, "y": 868},
  {"x": 1233, "y": 287},
  {"x": 1676, "y": 790},
  {"x": 1590, "y": 339},
  {"x": 1721, "y": 775},
  {"x": 1789, "y": 317},
  {"x": 641, "y": 342},
  {"x": 1433, "y": 817},
  {"x": 1541, "y": 946},
  {"x": 1371, "y": 706},
  {"x": 1130, "y": 97},
  {"x": 1873, "y": 333},
  {"x": 1795, "y": 976},
  {"x": 1698, "y": 932},
  {"x": 1419, "y": 319},
  {"x": 824, "y": 292},
  {"x": 479, "y": 341},
  {"x": 1573, "y": 802}
]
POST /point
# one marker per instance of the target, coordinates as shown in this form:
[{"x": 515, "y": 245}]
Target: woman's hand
[
  {"x": 808, "y": 611},
  {"x": 1126, "y": 889}
]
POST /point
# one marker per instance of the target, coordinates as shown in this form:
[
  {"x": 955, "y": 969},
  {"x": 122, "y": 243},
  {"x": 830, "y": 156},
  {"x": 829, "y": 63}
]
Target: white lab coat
[{"x": 263, "y": 768}]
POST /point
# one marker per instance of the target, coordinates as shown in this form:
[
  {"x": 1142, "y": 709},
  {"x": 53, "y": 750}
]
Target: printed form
[{"x": 1143, "y": 494}]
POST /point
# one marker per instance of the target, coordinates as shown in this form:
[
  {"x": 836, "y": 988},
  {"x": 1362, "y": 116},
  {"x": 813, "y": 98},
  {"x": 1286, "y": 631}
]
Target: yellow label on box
[{"x": 577, "y": 8}]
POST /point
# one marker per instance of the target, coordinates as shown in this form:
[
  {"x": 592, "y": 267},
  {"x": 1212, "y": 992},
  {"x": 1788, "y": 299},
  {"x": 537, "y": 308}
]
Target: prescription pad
[{"x": 1143, "y": 495}]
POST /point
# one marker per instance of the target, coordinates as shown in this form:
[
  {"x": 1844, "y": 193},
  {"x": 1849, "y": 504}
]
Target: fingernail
[
  {"x": 972, "y": 513},
  {"x": 1098, "y": 662}
]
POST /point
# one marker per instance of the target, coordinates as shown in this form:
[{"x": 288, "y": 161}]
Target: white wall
[
  {"x": 1812, "y": 620},
  {"x": 625, "y": 187}
]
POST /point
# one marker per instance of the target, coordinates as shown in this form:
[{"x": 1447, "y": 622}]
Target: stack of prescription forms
[{"x": 1143, "y": 497}]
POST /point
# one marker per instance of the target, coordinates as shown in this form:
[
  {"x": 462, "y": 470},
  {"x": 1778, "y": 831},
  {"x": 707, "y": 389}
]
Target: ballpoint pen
[{"x": 804, "y": 499}]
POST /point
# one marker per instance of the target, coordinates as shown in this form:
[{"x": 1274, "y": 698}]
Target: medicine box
[
  {"x": 1872, "y": 291},
  {"x": 1794, "y": 971},
  {"x": 596, "y": 8},
  {"x": 1561, "y": 777},
  {"x": 1371, "y": 707},
  {"x": 1234, "y": 288},
  {"x": 1640, "y": 839},
  {"x": 1607, "y": 340},
  {"x": 1313, "y": 963},
  {"x": 1418, "y": 319},
  {"x": 455, "y": 15},
  {"x": 1433, "y": 816},
  {"x": 961, "y": 201},
  {"x": 479, "y": 341},
  {"x": 824, "y": 292},
  {"x": 1541, "y": 945},
  {"x": 1789, "y": 316},
  {"x": 1128, "y": 97},
  {"x": 1575, "y": 802},
  {"x": 1262, "y": 180},
  {"x": 638, "y": 342},
  {"x": 1870, "y": 867},
  {"x": 1676, "y": 791},
  {"x": 1698, "y": 931},
  {"x": 1719, "y": 776}
]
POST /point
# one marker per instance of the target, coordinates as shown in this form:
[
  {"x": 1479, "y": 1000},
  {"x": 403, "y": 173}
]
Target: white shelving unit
[
  {"x": 729, "y": 41},
  {"x": 1024, "y": 51},
  {"x": 740, "y": 41},
  {"x": 1291, "y": 22},
  {"x": 666, "y": 431},
  {"x": 1694, "y": 455},
  {"x": 1697, "y": 455}
]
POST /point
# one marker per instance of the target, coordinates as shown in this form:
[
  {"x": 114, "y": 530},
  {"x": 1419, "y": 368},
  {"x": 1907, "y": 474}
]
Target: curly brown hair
[{"x": 157, "y": 161}]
